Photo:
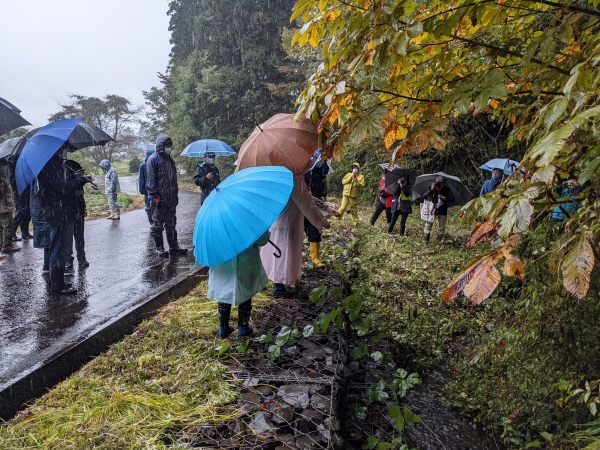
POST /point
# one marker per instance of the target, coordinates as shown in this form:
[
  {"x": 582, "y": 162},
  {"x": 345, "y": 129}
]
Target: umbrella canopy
[
  {"x": 385, "y": 166},
  {"x": 507, "y": 166},
  {"x": 238, "y": 211},
  {"x": 14, "y": 146},
  {"x": 40, "y": 147},
  {"x": 462, "y": 195},
  {"x": 391, "y": 178},
  {"x": 10, "y": 117},
  {"x": 280, "y": 141},
  {"x": 204, "y": 146}
]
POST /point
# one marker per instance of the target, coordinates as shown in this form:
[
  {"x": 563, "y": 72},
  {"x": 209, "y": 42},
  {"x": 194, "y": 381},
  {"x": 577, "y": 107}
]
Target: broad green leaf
[
  {"x": 551, "y": 144},
  {"x": 410, "y": 417},
  {"x": 221, "y": 349},
  {"x": 577, "y": 268},
  {"x": 308, "y": 331},
  {"x": 396, "y": 414}
]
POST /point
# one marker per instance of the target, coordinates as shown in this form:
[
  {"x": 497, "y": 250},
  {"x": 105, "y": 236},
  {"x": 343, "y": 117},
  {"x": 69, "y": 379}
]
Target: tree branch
[
  {"x": 416, "y": 99},
  {"x": 569, "y": 6},
  {"x": 508, "y": 52}
]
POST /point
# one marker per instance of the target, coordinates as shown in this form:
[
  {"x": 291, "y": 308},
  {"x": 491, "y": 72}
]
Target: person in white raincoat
[
  {"x": 235, "y": 282},
  {"x": 287, "y": 232}
]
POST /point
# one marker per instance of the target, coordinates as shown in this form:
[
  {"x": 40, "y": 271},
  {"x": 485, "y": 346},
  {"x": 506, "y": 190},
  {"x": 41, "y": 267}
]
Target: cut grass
[{"x": 153, "y": 385}]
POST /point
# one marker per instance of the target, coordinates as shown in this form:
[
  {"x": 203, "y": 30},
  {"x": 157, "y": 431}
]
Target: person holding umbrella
[
  {"x": 54, "y": 211},
  {"x": 353, "y": 182},
  {"x": 492, "y": 183},
  {"x": 402, "y": 206},
  {"x": 111, "y": 189},
  {"x": 79, "y": 225},
  {"x": 162, "y": 186},
  {"x": 440, "y": 195},
  {"x": 207, "y": 176},
  {"x": 230, "y": 228}
]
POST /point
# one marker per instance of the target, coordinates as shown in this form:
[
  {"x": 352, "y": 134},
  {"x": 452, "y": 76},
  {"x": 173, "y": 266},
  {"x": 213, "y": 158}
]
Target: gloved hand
[{"x": 156, "y": 198}]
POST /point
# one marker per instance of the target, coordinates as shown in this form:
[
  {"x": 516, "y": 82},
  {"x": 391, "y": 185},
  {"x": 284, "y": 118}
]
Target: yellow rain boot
[{"x": 315, "y": 254}]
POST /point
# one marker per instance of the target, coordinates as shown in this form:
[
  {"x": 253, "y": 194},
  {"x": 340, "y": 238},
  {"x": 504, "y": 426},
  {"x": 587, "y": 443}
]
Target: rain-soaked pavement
[{"x": 124, "y": 270}]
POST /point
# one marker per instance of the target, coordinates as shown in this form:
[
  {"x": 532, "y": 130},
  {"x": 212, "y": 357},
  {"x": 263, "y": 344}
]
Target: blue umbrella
[
  {"x": 238, "y": 211},
  {"x": 44, "y": 144},
  {"x": 204, "y": 146},
  {"x": 507, "y": 166}
]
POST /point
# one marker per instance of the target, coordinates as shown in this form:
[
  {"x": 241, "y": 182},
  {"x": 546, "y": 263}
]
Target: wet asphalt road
[
  {"x": 124, "y": 270},
  {"x": 127, "y": 184}
]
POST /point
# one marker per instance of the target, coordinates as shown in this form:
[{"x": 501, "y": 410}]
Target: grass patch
[{"x": 160, "y": 381}]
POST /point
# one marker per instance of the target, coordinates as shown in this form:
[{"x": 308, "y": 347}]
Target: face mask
[
  {"x": 319, "y": 165},
  {"x": 355, "y": 170},
  {"x": 210, "y": 161},
  {"x": 168, "y": 150},
  {"x": 496, "y": 177}
]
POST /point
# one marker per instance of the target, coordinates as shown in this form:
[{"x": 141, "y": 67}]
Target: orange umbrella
[{"x": 280, "y": 141}]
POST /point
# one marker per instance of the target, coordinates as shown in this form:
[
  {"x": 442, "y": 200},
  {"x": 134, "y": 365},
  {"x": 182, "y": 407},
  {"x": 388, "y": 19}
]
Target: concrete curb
[{"x": 67, "y": 361}]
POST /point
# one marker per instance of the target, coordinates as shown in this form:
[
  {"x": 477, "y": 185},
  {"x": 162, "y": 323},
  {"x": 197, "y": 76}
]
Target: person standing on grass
[
  {"x": 353, "y": 182},
  {"x": 492, "y": 183},
  {"x": 142, "y": 175},
  {"x": 402, "y": 207},
  {"x": 111, "y": 189},
  {"x": 316, "y": 181},
  {"x": 440, "y": 195},
  {"x": 384, "y": 201},
  {"x": 235, "y": 282}
]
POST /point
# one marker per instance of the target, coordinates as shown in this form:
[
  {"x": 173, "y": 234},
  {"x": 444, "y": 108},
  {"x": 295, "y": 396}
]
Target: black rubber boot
[
  {"x": 279, "y": 291},
  {"x": 160, "y": 247},
  {"x": 57, "y": 283},
  {"x": 25, "y": 234},
  {"x": 244, "y": 311},
  {"x": 149, "y": 214},
  {"x": 224, "y": 311},
  {"x": 174, "y": 248},
  {"x": 426, "y": 239}
]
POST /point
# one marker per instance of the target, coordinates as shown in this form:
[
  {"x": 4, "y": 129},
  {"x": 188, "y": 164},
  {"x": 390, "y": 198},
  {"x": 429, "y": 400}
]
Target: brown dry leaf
[
  {"x": 484, "y": 281},
  {"x": 458, "y": 284},
  {"x": 481, "y": 232},
  {"x": 420, "y": 141},
  {"x": 514, "y": 266},
  {"x": 369, "y": 58},
  {"x": 577, "y": 268}
]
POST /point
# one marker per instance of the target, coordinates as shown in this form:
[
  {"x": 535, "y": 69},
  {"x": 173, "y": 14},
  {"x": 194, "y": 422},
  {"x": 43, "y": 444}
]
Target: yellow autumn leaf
[{"x": 401, "y": 133}]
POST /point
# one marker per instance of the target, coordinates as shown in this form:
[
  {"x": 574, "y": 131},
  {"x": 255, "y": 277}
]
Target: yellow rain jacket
[{"x": 352, "y": 187}]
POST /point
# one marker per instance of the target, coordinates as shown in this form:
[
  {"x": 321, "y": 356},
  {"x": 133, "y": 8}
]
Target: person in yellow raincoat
[{"x": 353, "y": 182}]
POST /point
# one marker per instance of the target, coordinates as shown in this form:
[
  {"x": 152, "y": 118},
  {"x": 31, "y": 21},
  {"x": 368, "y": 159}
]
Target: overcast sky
[{"x": 52, "y": 48}]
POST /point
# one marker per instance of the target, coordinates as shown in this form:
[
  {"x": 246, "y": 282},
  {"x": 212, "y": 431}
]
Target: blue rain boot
[
  {"x": 244, "y": 327},
  {"x": 224, "y": 310}
]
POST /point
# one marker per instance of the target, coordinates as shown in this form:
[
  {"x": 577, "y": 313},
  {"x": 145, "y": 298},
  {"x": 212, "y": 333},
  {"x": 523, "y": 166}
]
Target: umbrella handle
[{"x": 276, "y": 248}]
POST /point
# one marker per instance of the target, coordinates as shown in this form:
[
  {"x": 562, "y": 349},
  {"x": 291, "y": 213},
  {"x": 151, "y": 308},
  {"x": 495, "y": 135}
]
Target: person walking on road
[
  {"x": 207, "y": 176},
  {"x": 492, "y": 183},
  {"x": 353, "y": 182},
  {"x": 7, "y": 207},
  {"x": 235, "y": 282},
  {"x": 162, "y": 186},
  {"x": 53, "y": 212},
  {"x": 142, "y": 178},
  {"x": 402, "y": 206},
  {"x": 79, "y": 225},
  {"x": 440, "y": 195},
  {"x": 384, "y": 201},
  {"x": 111, "y": 189}
]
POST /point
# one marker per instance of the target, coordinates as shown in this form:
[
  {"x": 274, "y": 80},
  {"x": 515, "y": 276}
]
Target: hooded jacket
[
  {"x": 162, "y": 173},
  {"x": 53, "y": 193},
  {"x": 143, "y": 173},
  {"x": 352, "y": 187},
  {"x": 111, "y": 179}
]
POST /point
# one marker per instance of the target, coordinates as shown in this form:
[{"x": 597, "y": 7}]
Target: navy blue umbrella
[{"x": 45, "y": 143}]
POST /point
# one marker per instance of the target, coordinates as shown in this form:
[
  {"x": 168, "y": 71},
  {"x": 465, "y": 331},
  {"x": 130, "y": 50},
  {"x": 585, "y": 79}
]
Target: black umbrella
[
  {"x": 462, "y": 194},
  {"x": 10, "y": 117},
  {"x": 392, "y": 177},
  {"x": 15, "y": 145}
]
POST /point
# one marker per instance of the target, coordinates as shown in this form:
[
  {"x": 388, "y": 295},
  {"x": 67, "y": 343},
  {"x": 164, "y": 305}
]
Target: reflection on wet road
[{"x": 124, "y": 270}]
